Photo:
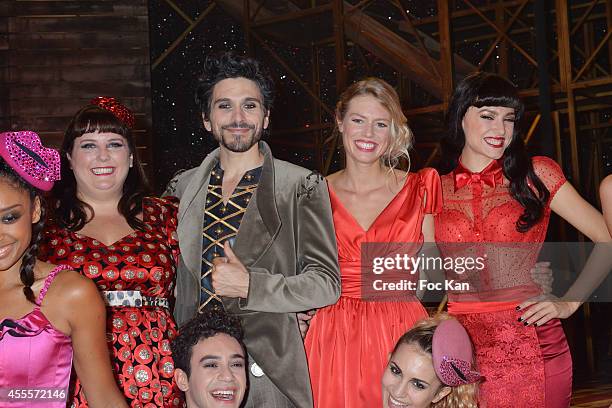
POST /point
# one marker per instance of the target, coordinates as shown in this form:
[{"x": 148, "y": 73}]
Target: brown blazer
[{"x": 287, "y": 242}]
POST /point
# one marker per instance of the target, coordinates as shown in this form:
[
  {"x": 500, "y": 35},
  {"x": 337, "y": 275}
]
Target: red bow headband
[{"x": 113, "y": 106}]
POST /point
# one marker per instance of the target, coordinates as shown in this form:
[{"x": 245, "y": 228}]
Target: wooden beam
[
  {"x": 339, "y": 26},
  {"x": 446, "y": 51},
  {"x": 425, "y": 109},
  {"x": 179, "y": 11},
  {"x": 181, "y": 37},
  {"x": 417, "y": 35},
  {"x": 584, "y": 16},
  {"x": 503, "y": 46},
  {"x": 593, "y": 55},
  {"x": 291, "y": 73},
  {"x": 609, "y": 27},
  {"x": 295, "y": 15},
  {"x": 504, "y": 35},
  {"x": 563, "y": 44},
  {"x": 532, "y": 128},
  {"x": 573, "y": 130}
]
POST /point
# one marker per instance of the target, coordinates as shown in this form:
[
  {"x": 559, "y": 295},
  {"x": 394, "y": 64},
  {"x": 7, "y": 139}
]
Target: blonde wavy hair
[
  {"x": 421, "y": 335},
  {"x": 401, "y": 135}
]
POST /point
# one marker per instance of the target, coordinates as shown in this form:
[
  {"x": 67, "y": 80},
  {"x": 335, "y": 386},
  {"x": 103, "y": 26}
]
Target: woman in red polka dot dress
[{"x": 107, "y": 229}]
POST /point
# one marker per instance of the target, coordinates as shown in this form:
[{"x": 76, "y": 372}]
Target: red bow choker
[{"x": 491, "y": 175}]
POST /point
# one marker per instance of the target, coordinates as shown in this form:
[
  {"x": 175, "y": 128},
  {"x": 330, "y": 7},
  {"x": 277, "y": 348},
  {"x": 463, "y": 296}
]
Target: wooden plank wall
[{"x": 56, "y": 55}]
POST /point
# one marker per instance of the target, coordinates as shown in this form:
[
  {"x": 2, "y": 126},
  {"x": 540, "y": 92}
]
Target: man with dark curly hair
[
  {"x": 210, "y": 360},
  {"x": 256, "y": 233}
]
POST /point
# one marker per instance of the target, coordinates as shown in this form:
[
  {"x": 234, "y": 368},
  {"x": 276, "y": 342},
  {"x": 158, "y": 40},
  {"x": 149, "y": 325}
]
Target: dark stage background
[
  {"x": 56, "y": 55},
  {"x": 181, "y": 142}
]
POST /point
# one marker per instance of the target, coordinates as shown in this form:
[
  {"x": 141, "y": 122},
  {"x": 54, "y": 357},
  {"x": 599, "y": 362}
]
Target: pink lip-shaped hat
[
  {"x": 452, "y": 354},
  {"x": 23, "y": 151}
]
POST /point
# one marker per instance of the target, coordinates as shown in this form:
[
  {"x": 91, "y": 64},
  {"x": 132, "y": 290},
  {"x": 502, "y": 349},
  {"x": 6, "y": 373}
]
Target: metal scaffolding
[{"x": 576, "y": 65}]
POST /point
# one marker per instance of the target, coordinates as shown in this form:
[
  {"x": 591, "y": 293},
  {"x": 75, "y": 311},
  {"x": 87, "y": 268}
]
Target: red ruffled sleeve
[{"x": 430, "y": 190}]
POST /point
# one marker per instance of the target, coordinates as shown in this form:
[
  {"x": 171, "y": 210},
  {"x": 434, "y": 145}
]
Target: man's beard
[{"x": 242, "y": 142}]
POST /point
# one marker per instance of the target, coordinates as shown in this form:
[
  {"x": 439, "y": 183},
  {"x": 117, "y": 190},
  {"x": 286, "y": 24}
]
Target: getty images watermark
[
  {"x": 416, "y": 264},
  {"x": 485, "y": 271}
]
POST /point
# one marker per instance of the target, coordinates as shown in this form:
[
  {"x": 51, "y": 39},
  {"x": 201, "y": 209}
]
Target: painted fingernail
[
  {"x": 520, "y": 319},
  {"x": 526, "y": 323},
  {"x": 535, "y": 325},
  {"x": 518, "y": 308}
]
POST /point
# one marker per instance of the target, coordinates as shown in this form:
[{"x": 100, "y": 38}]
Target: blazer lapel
[{"x": 261, "y": 222}]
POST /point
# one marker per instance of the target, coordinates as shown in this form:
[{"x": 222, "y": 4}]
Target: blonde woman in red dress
[
  {"x": 348, "y": 343},
  {"x": 494, "y": 193}
]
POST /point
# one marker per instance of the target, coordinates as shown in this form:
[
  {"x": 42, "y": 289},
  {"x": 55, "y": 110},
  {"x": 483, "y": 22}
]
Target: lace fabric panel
[
  {"x": 487, "y": 215},
  {"x": 509, "y": 357}
]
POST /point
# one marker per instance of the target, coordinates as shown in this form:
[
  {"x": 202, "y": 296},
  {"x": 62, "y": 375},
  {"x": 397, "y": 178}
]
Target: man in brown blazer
[{"x": 256, "y": 234}]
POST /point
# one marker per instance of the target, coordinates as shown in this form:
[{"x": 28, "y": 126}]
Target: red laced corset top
[{"x": 479, "y": 218}]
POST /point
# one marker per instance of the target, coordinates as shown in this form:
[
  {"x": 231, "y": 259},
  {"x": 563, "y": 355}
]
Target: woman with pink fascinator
[
  {"x": 106, "y": 227},
  {"x": 432, "y": 365},
  {"x": 50, "y": 316}
]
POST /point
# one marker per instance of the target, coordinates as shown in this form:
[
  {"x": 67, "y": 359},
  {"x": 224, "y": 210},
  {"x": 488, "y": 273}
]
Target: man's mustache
[{"x": 238, "y": 125}]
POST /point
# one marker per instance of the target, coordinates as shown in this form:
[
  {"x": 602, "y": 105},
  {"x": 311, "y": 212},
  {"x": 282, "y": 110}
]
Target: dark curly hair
[
  {"x": 228, "y": 65},
  {"x": 484, "y": 89},
  {"x": 69, "y": 210},
  {"x": 26, "y": 272},
  {"x": 201, "y": 327}
]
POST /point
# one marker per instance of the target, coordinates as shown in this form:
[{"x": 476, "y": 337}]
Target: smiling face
[
  {"x": 17, "y": 214},
  {"x": 409, "y": 381},
  {"x": 366, "y": 129},
  {"x": 218, "y": 373},
  {"x": 488, "y": 131},
  {"x": 237, "y": 115},
  {"x": 100, "y": 162}
]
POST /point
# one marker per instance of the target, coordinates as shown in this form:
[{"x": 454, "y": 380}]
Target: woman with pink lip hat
[
  {"x": 432, "y": 365},
  {"x": 50, "y": 316},
  {"x": 495, "y": 194},
  {"x": 105, "y": 227}
]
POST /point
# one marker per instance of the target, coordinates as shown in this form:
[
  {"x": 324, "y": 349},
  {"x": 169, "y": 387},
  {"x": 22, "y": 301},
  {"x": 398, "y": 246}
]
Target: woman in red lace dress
[
  {"x": 495, "y": 194},
  {"x": 348, "y": 343},
  {"x": 107, "y": 229}
]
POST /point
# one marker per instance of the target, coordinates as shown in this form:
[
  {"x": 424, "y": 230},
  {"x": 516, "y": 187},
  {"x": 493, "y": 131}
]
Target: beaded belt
[{"x": 132, "y": 298}]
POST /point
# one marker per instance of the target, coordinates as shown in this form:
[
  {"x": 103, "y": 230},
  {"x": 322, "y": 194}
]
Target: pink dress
[
  {"x": 524, "y": 366},
  {"x": 35, "y": 355},
  {"x": 348, "y": 343}
]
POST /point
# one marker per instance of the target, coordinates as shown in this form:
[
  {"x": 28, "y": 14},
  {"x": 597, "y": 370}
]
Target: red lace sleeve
[
  {"x": 550, "y": 173},
  {"x": 431, "y": 188}
]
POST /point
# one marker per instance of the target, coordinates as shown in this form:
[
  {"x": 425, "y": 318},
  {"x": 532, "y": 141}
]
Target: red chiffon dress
[
  {"x": 348, "y": 343},
  {"x": 524, "y": 366},
  {"x": 138, "y": 336}
]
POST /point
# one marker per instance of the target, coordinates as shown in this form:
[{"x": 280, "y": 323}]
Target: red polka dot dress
[{"x": 136, "y": 275}]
